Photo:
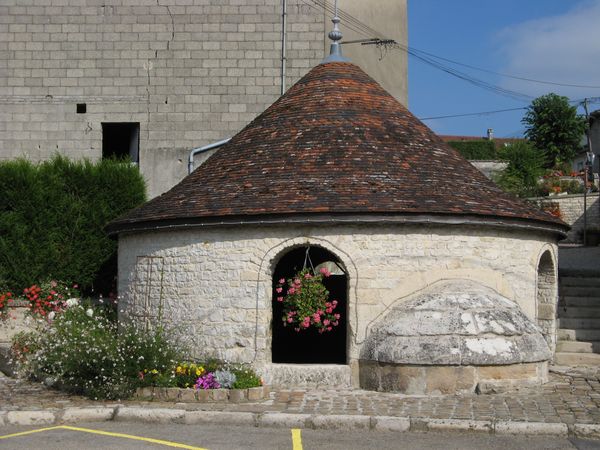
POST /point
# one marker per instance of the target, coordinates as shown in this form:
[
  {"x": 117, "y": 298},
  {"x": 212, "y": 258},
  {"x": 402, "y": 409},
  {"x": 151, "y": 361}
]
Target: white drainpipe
[{"x": 206, "y": 148}]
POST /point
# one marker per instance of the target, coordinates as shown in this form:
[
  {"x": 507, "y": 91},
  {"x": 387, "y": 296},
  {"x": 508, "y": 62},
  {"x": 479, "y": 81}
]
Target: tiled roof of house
[{"x": 336, "y": 144}]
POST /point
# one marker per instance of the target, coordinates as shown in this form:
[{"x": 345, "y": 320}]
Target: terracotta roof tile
[{"x": 335, "y": 143}]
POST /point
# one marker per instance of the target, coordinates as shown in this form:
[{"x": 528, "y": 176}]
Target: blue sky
[{"x": 550, "y": 40}]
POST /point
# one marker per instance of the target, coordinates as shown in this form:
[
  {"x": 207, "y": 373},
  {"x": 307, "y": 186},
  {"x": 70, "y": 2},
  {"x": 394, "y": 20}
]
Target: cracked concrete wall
[
  {"x": 216, "y": 283},
  {"x": 191, "y": 72}
]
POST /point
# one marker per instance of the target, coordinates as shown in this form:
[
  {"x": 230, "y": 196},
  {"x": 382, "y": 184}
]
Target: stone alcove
[
  {"x": 310, "y": 347},
  {"x": 546, "y": 298}
]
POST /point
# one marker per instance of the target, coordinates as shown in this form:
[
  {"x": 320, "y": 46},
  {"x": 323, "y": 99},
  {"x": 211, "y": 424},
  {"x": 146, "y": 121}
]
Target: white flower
[
  {"x": 72, "y": 302},
  {"x": 51, "y": 315},
  {"x": 89, "y": 312}
]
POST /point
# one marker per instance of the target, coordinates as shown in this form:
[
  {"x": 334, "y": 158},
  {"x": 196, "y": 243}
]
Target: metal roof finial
[{"x": 335, "y": 50}]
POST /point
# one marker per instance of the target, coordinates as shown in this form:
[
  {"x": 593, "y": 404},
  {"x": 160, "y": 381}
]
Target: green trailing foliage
[
  {"x": 475, "y": 150},
  {"x": 525, "y": 167},
  {"x": 554, "y": 127},
  {"x": 52, "y": 219}
]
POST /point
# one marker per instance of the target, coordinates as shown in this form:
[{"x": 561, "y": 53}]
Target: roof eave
[{"x": 531, "y": 225}]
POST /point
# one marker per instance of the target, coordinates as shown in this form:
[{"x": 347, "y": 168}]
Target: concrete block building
[{"x": 154, "y": 79}]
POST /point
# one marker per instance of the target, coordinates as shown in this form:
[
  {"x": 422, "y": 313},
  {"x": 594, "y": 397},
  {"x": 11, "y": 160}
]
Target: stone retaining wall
[
  {"x": 571, "y": 209},
  {"x": 203, "y": 395}
]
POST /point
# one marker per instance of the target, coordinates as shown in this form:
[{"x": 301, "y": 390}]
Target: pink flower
[
  {"x": 53, "y": 284},
  {"x": 290, "y": 320},
  {"x": 316, "y": 318},
  {"x": 278, "y": 290},
  {"x": 281, "y": 280},
  {"x": 297, "y": 281},
  {"x": 337, "y": 316},
  {"x": 326, "y": 322},
  {"x": 329, "y": 310},
  {"x": 307, "y": 276},
  {"x": 325, "y": 271},
  {"x": 335, "y": 324},
  {"x": 329, "y": 328},
  {"x": 327, "y": 304},
  {"x": 279, "y": 299},
  {"x": 334, "y": 303},
  {"x": 291, "y": 291}
]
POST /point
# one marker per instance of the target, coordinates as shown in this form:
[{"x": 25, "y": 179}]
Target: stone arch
[
  {"x": 547, "y": 296},
  {"x": 323, "y": 250}
]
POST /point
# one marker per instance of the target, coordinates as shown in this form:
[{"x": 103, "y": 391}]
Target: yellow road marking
[
  {"x": 296, "y": 439},
  {"x": 23, "y": 433},
  {"x": 108, "y": 433}
]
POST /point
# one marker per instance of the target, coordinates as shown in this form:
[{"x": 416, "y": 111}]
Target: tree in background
[
  {"x": 554, "y": 127},
  {"x": 525, "y": 167}
]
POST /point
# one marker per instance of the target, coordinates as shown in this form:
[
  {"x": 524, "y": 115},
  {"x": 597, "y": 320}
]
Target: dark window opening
[
  {"x": 81, "y": 108},
  {"x": 308, "y": 346},
  {"x": 121, "y": 140}
]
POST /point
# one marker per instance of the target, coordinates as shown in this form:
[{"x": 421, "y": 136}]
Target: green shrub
[
  {"x": 525, "y": 167},
  {"x": 475, "y": 150},
  {"x": 52, "y": 217}
]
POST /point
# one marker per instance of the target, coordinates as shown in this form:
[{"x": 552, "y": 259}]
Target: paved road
[{"x": 121, "y": 435}]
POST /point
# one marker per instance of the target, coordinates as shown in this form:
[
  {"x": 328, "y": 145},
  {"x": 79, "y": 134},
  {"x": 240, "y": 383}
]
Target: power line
[
  {"x": 481, "y": 113},
  {"x": 531, "y": 80},
  {"x": 360, "y": 27}
]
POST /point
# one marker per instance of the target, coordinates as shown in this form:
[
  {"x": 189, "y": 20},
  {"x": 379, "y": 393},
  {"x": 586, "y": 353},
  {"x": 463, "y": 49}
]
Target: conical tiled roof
[{"x": 335, "y": 145}]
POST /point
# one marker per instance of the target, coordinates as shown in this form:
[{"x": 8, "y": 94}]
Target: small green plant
[{"x": 245, "y": 378}]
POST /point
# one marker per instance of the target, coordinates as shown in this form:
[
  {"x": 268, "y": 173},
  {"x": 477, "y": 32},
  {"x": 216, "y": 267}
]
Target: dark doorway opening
[
  {"x": 121, "y": 140},
  {"x": 308, "y": 346}
]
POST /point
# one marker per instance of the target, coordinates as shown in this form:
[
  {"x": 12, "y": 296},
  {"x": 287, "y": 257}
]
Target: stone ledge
[{"x": 205, "y": 396}]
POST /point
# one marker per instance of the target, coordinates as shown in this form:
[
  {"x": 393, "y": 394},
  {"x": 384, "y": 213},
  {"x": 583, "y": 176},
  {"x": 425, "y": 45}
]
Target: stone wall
[
  {"x": 190, "y": 72},
  {"x": 571, "y": 209},
  {"x": 215, "y": 284}
]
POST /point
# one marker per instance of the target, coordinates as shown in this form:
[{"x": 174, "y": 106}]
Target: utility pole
[{"x": 589, "y": 168}]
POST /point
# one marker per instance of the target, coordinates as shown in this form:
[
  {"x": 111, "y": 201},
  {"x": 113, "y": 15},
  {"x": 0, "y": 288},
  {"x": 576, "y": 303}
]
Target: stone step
[
  {"x": 579, "y": 323},
  {"x": 322, "y": 376},
  {"x": 578, "y": 291},
  {"x": 578, "y": 346},
  {"x": 578, "y": 335},
  {"x": 576, "y": 359},
  {"x": 581, "y": 312},
  {"x": 580, "y": 301},
  {"x": 580, "y": 281}
]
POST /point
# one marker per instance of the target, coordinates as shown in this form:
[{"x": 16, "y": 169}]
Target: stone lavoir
[{"x": 444, "y": 282}]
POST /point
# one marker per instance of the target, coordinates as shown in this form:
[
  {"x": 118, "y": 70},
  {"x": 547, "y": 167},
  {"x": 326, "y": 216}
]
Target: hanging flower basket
[{"x": 306, "y": 302}]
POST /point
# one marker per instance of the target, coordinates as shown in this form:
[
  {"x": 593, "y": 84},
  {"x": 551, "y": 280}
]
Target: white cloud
[{"x": 564, "y": 49}]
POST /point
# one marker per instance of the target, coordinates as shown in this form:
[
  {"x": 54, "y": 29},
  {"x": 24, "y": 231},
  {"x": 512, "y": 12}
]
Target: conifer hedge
[{"x": 52, "y": 218}]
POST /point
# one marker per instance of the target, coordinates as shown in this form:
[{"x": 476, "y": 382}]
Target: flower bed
[{"x": 188, "y": 395}]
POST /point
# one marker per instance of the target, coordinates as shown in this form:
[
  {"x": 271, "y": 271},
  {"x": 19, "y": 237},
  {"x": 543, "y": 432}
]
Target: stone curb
[{"x": 284, "y": 420}]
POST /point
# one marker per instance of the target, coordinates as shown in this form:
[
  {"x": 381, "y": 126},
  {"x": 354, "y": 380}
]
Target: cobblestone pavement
[{"x": 571, "y": 396}]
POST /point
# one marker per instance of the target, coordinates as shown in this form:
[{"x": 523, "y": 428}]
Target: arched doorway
[
  {"x": 547, "y": 291},
  {"x": 309, "y": 346}
]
